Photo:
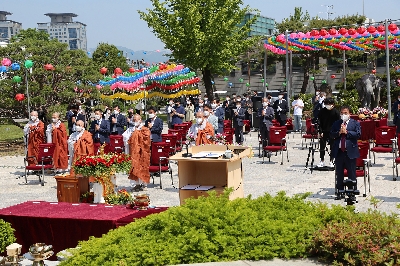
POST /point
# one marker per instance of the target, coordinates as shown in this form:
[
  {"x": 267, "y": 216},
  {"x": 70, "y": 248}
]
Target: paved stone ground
[{"x": 271, "y": 177}]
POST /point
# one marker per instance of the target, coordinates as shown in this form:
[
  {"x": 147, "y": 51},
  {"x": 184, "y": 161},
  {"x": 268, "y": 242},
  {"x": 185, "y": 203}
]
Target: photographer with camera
[{"x": 327, "y": 116}]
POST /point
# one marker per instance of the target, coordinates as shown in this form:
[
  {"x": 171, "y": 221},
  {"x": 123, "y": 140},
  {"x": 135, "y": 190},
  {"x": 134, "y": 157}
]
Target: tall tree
[
  {"x": 108, "y": 55},
  {"x": 47, "y": 88},
  {"x": 205, "y": 35},
  {"x": 301, "y": 21}
]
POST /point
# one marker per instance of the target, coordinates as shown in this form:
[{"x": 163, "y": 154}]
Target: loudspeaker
[
  {"x": 257, "y": 105},
  {"x": 256, "y": 120}
]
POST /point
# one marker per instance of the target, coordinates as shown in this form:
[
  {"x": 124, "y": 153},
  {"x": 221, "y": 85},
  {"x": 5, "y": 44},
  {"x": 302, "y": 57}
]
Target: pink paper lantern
[
  {"x": 6, "y": 62},
  {"x": 98, "y": 87}
]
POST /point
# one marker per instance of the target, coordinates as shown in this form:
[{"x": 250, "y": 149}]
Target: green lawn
[{"x": 10, "y": 133}]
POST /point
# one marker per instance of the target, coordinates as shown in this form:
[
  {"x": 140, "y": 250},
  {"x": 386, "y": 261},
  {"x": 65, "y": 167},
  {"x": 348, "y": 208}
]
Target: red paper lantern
[
  {"x": 371, "y": 29},
  {"x": 323, "y": 32},
  {"x": 48, "y": 67},
  {"x": 373, "y": 71},
  {"x": 392, "y": 27},
  {"x": 333, "y": 76},
  {"x": 131, "y": 70},
  {"x": 342, "y": 31},
  {"x": 20, "y": 97},
  {"x": 118, "y": 71},
  {"x": 380, "y": 28},
  {"x": 361, "y": 30},
  {"x": 314, "y": 33},
  {"x": 352, "y": 31},
  {"x": 333, "y": 31},
  {"x": 103, "y": 70}
]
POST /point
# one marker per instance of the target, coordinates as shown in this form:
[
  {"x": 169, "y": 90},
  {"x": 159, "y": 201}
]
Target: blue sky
[{"x": 117, "y": 21}]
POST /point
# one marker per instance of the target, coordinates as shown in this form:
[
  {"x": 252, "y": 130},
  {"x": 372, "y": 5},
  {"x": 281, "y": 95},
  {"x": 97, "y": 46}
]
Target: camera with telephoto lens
[{"x": 350, "y": 190}]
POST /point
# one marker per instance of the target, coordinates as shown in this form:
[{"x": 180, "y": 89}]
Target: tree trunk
[
  {"x": 305, "y": 80},
  {"x": 207, "y": 83}
]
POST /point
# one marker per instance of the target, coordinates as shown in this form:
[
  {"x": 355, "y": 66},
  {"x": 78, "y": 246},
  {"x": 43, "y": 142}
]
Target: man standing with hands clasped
[
  {"x": 281, "y": 108},
  {"x": 345, "y": 132},
  {"x": 238, "y": 117}
]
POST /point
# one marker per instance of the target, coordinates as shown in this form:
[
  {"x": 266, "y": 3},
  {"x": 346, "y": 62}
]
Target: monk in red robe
[
  {"x": 202, "y": 129},
  {"x": 56, "y": 133},
  {"x": 80, "y": 143},
  {"x": 33, "y": 136},
  {"x": 139, "y": 149}
]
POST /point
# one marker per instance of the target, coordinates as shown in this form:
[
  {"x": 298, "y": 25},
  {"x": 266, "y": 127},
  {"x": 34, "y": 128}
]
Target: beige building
[{"x": 8, "y": 28}]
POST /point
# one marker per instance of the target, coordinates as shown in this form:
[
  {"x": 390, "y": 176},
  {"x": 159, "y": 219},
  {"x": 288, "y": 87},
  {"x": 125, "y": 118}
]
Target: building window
[
  {"x": 73, "y": 44},
  {"x": 72, "y": 33}
]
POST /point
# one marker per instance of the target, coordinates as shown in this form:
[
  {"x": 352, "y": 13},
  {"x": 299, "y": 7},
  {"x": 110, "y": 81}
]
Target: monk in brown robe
[
  {"x": 56, "y": 133},
  {"x": 80, "y": 143},
  {"x": 139, "y": 149},
  {"x": 202, "y": 129},
  {"x": 33, "y": 136}
]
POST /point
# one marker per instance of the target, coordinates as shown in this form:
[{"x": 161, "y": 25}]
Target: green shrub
[
  {"x": 6, "y": 235},
  {"x": 371, "y": 238},
  {"x": 214, "y": 229}
]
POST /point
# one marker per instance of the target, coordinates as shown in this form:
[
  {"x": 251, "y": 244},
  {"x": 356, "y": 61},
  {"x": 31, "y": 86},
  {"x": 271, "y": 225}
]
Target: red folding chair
[
  {"x": 159, "y": 160},
  {"x": 396, "y": 159},
  {"x": 362, "y": 166},
  {"x": 227, "y": 124},
  {"x": 171, "y": 139},
  {"x": 384, "y": 141},
  {"x": 229, "y": 131},
  {"x": 43, "y": 161},
  {"x": 228, "y": 138},
  {"x": 246, "y": 126},
  {"x": 277, "y": 142},
  {"x": 311, "y": 133},
  {"x": 116, "y": 144},
  {"x": 178, "y": 134},
  {"x": 275, "y": 123},
  {"x": 96, "y": 147},
  {"x": 187, "y": 124}
]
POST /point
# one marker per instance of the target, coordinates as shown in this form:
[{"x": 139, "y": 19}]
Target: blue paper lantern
[
  {"x": 88, "y": 53},
  {"x": 15, "y": 67},
  {"x": 132, "y": 53},
  {"x": 106, "y": 54},
  {"x": 119, "y": 54},
  {"x": 230, "y": 84},
  {"x": 144, "y": 52},
  {"x": 398, "y": 70},
  {"x": 3, "y": 69},
  {"x": 212, "y": 82}
]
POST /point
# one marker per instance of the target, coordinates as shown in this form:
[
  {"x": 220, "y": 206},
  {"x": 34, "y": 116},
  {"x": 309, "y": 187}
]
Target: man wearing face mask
[
  {"x": 117, "y": 122},
  {"x": 238, "y": 117},
  {"x": 71, "y": 117},
  {"x": 177, "y": 113},
  {"x": 189, "y": 109},
  {"x": 168, "y": 112},
  {"x": 206, "y": 101},
  {"x": 346, "y": 133},
  {"x": 327, "y": 116},
  {"x": 33, "y": 136},
  {"x": 220, "y": 114},
  {"x": 80, "y": 143},
  {"x": 100, "y": 128},
  {"x": 266, "y": 115},
  {"x": 227, "y": 107},
  {"x": 57, "y": 133},
  {"x": 202, "y": 129},
  {"x": 281, "y": 108},
  {"x": 155, "y": 124},
  {"x": 210, "y": 117},
  {"x": 139, "y": 150}
]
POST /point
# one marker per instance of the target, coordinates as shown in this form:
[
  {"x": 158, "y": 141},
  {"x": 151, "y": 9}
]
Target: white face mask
[
  {"x": 55, "y": 120},
  {"x": 239, "y": 100},
  {"x": 78, "y": 128},
  {"x": 116, "y": 112},
  {"x": 345, "y": 118},
  {"x": 280, "y": 97},
  {"x": 329, "y": 107},
  {"x": 199, "y": 120},
  {"x": 205, "y": 99},
  {"x": 214, "y": 105},
  {"x": 152, "y": 115},
  {"x": 33, "y": 118},
  {"x": 317, "y": 93},
  {"x": 200, "y": 104},
  {"x": 265, "y": 104},
  {"x": 137, "y": 123},
  {"x": 97, "y": 117},
  {"x": 227, "y": 98},
  {"x": 108, "y": 111},
  {"x": 238, "y": 106},
  {"x": 206, "y": 113}
]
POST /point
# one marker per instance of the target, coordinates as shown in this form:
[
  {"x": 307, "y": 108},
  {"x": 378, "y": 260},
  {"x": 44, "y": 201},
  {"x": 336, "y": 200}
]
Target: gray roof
[
  {"x": 61, "y": 14},
  {"x": 5, "y": 13}
]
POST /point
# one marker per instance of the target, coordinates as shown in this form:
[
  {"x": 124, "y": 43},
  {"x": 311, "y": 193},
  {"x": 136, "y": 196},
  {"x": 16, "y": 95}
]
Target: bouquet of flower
[
  {"x": 190, "y": 137},
  {"x": 103, "y": 164},
  {"x": 87, "y": 197},
  {"x": 219, "y": 139},
  {"x": 380, "y": 112},
  {"x": 364, "y": 113},
  {"x": 122, "y": 197}
]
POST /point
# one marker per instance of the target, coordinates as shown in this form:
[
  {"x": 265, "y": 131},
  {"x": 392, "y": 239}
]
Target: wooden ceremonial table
[
  {"x": 63, "y": 224},
  {"x": 197, "y": 176}
]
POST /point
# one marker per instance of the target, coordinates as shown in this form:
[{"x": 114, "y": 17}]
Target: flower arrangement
[
  {"x": 219, "y": 139},
  {"x": 379, "y": 112},
  {"x": 190, "y": 137},
  {"x": 87, "y": 197},
  {"x": 364, "y": 113},
  {"x": 122, "y": 197}
]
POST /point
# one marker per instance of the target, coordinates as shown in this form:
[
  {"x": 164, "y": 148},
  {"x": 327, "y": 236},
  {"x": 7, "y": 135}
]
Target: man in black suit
[
  {"x": 117, "y": 122},
  {"x": 100, "y": 128},
  {"x": 281, "y": 108},
  {"x": 227, "y": 104},
  {"x": 345, "y": 133},
  {"x": 155, "y": 124},
  {"x": 220, "y": 114},
  {"x": 238, "y": 117},
  {"x": 266, "y": 115}
]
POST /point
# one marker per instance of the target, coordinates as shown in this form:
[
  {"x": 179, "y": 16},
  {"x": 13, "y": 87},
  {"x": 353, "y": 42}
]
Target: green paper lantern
[
  {"x": 312, "y": 78},
  {"x": 226, "y": 79},
  {"x": 17, "y": 79},
  {"x": 262, "y": 80},
  {"x": 241, "y": 80},
  {"x": 266, "y": 84},
  {"x": 324, "y": 82},
  {"x": 284, "y": 84},
  {"x": 247, "y": 84},
  {"x": 28, "y": 63}
]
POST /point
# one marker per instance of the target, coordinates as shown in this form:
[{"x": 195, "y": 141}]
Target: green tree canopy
[
  {"x": 72, "y": 68},
  {"x": 205, "y": 35},
  {"x": 108, "y": 55}
]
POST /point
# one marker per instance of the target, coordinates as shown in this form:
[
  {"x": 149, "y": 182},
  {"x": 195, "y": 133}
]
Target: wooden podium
[
  {"x": 205, "y": 174},
  {"x": 70, "y": 188}
]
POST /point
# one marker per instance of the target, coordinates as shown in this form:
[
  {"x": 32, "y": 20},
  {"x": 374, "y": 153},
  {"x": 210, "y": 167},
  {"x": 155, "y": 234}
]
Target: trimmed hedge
[{"x": 6, "y": 235}]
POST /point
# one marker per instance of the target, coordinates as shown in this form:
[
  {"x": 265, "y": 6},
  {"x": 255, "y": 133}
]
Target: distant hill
[{"x": 148, "y": 56}]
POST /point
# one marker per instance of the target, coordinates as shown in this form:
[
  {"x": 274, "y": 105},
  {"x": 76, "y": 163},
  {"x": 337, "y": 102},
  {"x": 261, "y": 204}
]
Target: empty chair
[
  {"x": 311, "y": 133},
  {"x": 170, "y": 139},
  {"x": 276, "y": 142},
  {"x": 116, "y": 144},
  {"x": 43, "y": 161},
  {"x": 159, "y": 160},
  {"x": 384, "y": 140}
]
